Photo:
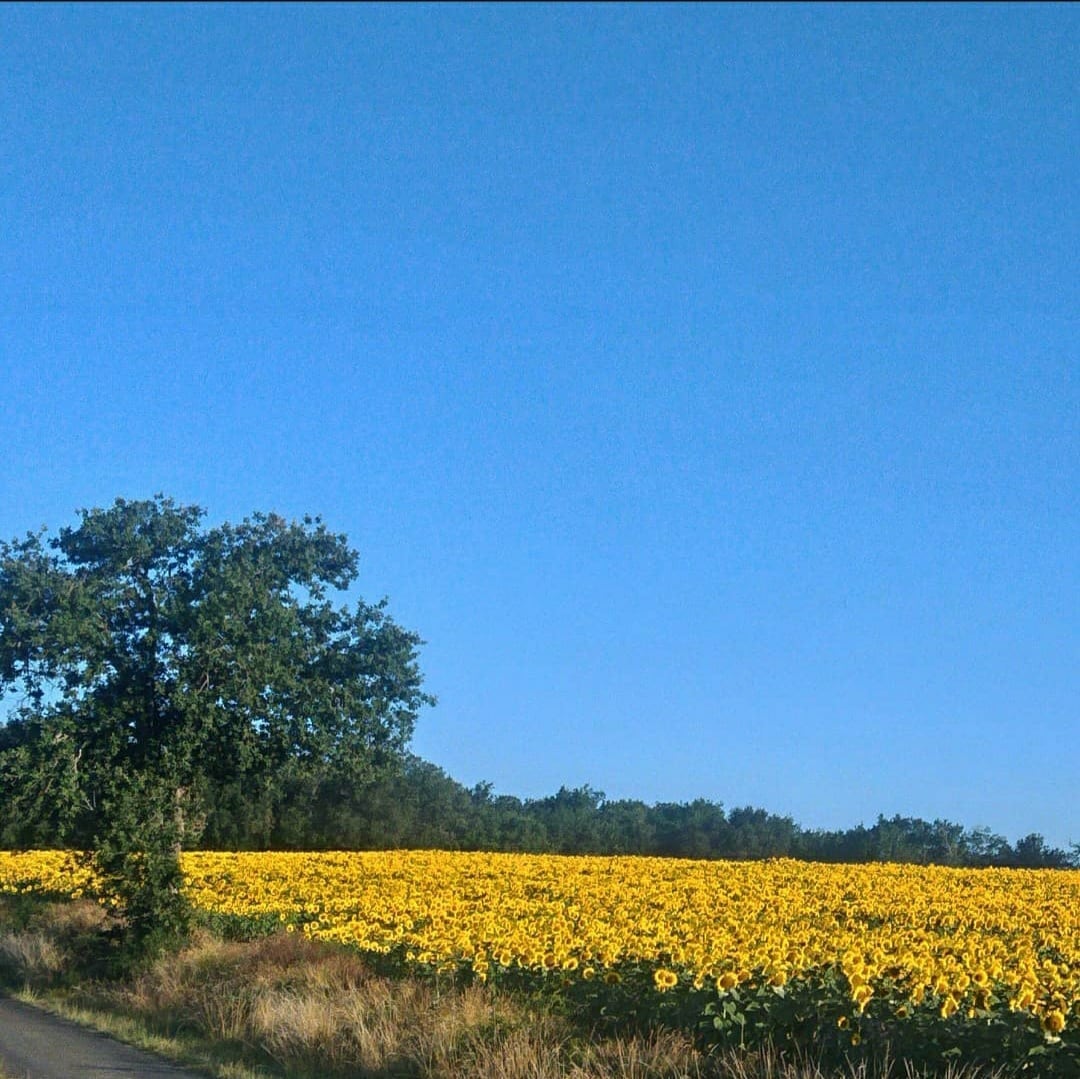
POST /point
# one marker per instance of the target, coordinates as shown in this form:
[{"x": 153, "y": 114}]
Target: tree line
[{"x": 416, "y": 805}]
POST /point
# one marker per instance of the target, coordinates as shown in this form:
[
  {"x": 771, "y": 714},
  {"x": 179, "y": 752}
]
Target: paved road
[{"x": 37, "y": 1045}]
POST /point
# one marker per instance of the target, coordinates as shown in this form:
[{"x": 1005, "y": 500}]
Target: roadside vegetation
[{"x": 285, "y": 1006}]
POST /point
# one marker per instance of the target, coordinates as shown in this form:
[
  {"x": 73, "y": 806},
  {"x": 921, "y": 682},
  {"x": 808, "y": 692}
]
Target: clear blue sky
[{"x": 700, "y": 382}]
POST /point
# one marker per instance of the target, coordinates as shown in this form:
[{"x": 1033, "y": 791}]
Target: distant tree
[
  {"x": 985, "y": 848},
  {"x": 150, "y": 667},
  {"x": 755, "y": 833},
  {"x": 626, "y": 828},
  {"x": 696, "y": 829},
  {"x": 571, "y": 819},
  {"x": 1032, "y": 852},
  {"x": 948, "y": 845},
  {"x": 509, "y": 824}
]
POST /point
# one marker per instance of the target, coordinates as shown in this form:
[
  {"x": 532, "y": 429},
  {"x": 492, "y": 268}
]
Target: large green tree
[{"x": 147, "y": 662}]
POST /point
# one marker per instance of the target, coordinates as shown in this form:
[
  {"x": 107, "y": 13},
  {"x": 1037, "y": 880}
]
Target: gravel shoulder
[{"x": 35, "y": 1044}]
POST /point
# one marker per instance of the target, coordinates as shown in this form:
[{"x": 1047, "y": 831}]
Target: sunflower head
[{"x": 1053, "y": 1022}]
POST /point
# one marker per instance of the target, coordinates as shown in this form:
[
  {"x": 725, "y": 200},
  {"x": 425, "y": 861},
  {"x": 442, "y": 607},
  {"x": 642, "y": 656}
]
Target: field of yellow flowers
[{"x": 885, "y": 941}]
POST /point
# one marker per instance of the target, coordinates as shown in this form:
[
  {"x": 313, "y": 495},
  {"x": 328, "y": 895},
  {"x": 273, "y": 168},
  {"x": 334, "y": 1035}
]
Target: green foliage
[
  {"x": 136, "y": 857},
  {"x": 815, "y": 1011},
  {"x": 241, "y": 927}
]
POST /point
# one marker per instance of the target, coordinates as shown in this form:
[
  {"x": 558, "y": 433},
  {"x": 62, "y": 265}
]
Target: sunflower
[{"x": 1053, "y": 1022}]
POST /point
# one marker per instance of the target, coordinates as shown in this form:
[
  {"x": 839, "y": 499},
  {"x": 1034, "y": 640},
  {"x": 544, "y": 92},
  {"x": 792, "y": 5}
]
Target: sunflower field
[{"x": 935, "y": 962}]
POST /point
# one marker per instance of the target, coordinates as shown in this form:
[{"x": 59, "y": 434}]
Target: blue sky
[{"x": 700, "y": 382}]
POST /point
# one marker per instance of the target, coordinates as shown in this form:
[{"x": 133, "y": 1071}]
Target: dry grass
[
  {"x": 40, "y": 951},
  {"x": 309, "y": 1009},
  {"x": 298, "y": 1008},
  {"x": 30, "y": 956}
]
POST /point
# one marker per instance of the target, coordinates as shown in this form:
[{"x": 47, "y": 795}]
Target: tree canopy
[
  {"x": 141, "y": 643},
  {"x": 147, "y": 661}
]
